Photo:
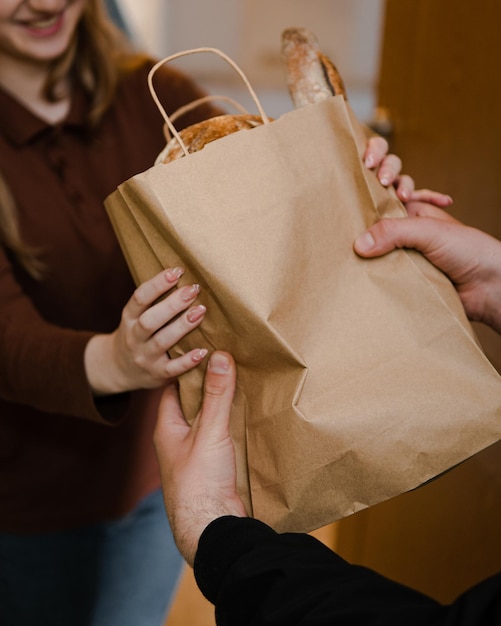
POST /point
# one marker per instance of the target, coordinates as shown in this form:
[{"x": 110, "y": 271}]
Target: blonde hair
[{"x": 95, "y": 60}]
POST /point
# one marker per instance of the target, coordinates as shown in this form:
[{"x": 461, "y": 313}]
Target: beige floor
[{"x": 190, "y": 608}]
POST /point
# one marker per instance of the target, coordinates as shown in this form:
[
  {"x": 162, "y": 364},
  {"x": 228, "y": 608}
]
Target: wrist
[
  {"x": 100, "y": 366},
  {"x": 491, "y": 301},
  {"x": 190, "y": 518},
  {"x": 480, "y": 286},
  {"x": 493, "y": 309}
]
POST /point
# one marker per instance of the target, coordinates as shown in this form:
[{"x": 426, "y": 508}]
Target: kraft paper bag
[{"x": 357, "y": 379}]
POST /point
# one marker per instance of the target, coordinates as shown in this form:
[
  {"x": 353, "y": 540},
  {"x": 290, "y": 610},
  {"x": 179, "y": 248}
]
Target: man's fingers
[
  {"x": 171, "y": 427},
  {"x": 390, "y": 169},
  {"x": 376, "y": 150},
  {"x": 404, "y": 185},
  {"x": 387, "y": 234},
  {"x": 219, "y": 389},
  {"x": 434, "y": 198}
]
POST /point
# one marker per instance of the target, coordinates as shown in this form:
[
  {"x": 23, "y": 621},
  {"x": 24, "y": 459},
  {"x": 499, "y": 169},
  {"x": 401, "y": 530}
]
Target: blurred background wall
[{"x": 249, "y": 32}]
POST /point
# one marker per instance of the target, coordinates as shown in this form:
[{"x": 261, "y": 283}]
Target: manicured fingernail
[
  {"x": 196, "y": 313},
  {"x": 174, "y": 274},
  {"x": 404, "y": 194},
  {"x": 188, "y": 293},
  {"x": 385, "y": 181},
  {"x": 365, "y": 242},
  {"x": 369, "y": 161},
  {"x": 219, "y": 364},
  {"x": 199, "y": 355}
]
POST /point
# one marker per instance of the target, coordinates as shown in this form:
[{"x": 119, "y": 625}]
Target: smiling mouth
[{"x": 43, "y": 25}]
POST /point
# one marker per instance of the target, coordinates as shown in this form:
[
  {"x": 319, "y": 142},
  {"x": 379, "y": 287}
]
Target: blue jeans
[{"x": 120, "y": 573}]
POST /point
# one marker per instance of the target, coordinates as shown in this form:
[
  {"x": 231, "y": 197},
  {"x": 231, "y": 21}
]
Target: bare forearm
[
  {"x": 480, "y": 287},
  {"x": 492, "y": 315},
  {"x": 189, "y": 518}
]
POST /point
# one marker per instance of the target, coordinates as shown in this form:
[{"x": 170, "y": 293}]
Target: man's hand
[
  {"x": 197, "y": 463},
  {"x": 469, "y": 257},
  {"x": 387, "y": 167}
]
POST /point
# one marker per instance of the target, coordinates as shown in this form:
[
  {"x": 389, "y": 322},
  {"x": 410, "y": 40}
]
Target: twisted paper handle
[{"x": 225, "y": 57}]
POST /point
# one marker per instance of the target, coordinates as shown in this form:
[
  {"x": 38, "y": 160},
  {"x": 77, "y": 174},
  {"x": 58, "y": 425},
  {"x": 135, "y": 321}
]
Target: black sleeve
[{"x": 256, "y": 576}]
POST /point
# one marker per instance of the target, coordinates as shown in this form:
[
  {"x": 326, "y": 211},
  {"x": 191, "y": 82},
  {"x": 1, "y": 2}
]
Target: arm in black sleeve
[{"x": 256, "y": 576}]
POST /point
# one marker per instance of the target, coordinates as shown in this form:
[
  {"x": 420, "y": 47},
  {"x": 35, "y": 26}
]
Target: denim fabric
[{"x": 120, "y": 573}]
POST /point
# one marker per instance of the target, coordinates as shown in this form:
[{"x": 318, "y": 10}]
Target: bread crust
[{"x": 197, "y": 136}]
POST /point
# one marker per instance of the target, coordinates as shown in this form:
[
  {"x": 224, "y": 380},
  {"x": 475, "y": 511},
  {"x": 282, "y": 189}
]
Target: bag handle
[
  {"x": 210, "y": 98},
  {"x": 221, "y": 54}
]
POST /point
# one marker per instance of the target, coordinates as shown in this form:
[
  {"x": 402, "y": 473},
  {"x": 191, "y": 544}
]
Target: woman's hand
[{"x": 135, "y": 355}]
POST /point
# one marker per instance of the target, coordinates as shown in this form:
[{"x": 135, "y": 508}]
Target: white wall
[{"x": 249, "y": 31}]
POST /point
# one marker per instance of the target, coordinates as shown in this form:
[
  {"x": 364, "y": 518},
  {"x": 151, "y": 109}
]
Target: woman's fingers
[
  {"x": 149, "y": 310},
  {"x": 170, "y": 334},
  {"x": 149, "y": 291},
  {"x": 172, "y": 368},
  {"x": 156, "y": 316}
]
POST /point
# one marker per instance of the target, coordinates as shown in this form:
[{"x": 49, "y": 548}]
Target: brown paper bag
[{"x": 357, "y": 379}]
